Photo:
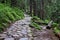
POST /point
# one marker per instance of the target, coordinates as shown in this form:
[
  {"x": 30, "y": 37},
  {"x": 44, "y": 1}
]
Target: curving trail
[{"x": 20, "y": 30}]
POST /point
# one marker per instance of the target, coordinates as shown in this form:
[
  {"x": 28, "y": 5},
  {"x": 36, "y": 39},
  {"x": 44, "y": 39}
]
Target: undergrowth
[
  {"x": 35, "y": 25},
  {"x": 35, "y": 20},
  {"x": 56, "y": 28},
  {"x": 9, "y": 15}
]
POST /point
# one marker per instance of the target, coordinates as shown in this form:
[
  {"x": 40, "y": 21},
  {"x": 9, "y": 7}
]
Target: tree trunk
[
  {"x": 34, "y": 8},
  {"x": 13, "y": 2},
  {"x": 42, "y": 15},
  {"x": 31, "y": 7},
  {"x": 3, "y": 1}
]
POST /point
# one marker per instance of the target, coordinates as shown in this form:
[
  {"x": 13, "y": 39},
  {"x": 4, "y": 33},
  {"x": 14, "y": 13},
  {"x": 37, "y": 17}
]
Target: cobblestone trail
[{"x": 20, "y": 30}]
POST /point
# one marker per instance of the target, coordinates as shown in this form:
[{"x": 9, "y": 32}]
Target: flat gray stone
[
  {"x": 4, "y": 32},
  {"x": 2, "y": 35},
  {"x": 23, "y": 39},
  {"x": 9, "y": 39},
  {"x": 24, "y": 31},
  {"x": 15, "y": 35}
]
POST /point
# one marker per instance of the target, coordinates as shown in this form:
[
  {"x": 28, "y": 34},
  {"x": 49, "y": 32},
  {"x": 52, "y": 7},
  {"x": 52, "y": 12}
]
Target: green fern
[{"x": 9, "y": 15}]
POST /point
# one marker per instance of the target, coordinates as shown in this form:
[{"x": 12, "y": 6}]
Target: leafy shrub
[
  {"x": 9, "y": 15},
  {"x": 47, "y": 21},
  {"x": 35, "y": 25},
  {"x": 36, "y": 19},
  {"x": 56, "y": 30},
  {"x": 55, "y": 25},
  {"x": 39, "y": 21}
]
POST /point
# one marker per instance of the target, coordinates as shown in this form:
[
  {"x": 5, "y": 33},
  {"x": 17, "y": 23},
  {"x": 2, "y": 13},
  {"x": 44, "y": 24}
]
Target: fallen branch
[{"x": 49, "y": 26}]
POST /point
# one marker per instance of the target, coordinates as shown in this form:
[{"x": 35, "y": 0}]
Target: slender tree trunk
[
  {"x": 13, "y": 2},
  {"x": 31, "y": 7},
  {"x": 34, "y": 8},
  {"x": 42, "y": 14},
  {"x": 3, "y": 1}
]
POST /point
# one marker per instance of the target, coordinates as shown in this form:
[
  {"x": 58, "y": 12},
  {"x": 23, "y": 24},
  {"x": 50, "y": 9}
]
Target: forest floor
[{"x": 20, "y": 30}]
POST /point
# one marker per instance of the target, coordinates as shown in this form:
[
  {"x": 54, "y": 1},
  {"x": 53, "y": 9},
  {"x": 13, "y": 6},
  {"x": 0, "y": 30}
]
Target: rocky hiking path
[{"x": 21, "y": 30}]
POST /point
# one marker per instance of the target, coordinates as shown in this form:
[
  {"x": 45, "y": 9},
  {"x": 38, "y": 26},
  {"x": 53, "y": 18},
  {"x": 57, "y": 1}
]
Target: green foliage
[
  {"x": 55, "y": 25},
  {"x": 46, "y": 21},
  {"x": 56, "y": 30},
  {"x": 38, "y": 20},
  {"x": 35, "y": 25},
  {"x": 19, "y": 12},
  {"x": 52, "y": 9},
  {"x": 56, "y": 16},
  {"x": 9, "y": 15}
]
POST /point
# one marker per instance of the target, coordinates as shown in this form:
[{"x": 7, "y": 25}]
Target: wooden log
[{"x": 49, "y": 26}]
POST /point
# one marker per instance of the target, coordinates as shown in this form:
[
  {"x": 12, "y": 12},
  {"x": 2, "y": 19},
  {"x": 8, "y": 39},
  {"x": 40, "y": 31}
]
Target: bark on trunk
[
  {"x": 42, "y": 15},
  {"x": 34, "y": 8},
  {"x": 31, "y": 7},
  {"x": 13, "y": 2}
]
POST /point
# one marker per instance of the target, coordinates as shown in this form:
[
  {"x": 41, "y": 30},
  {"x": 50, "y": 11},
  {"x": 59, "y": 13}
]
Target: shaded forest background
[{"x": 44, "y": 9}]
